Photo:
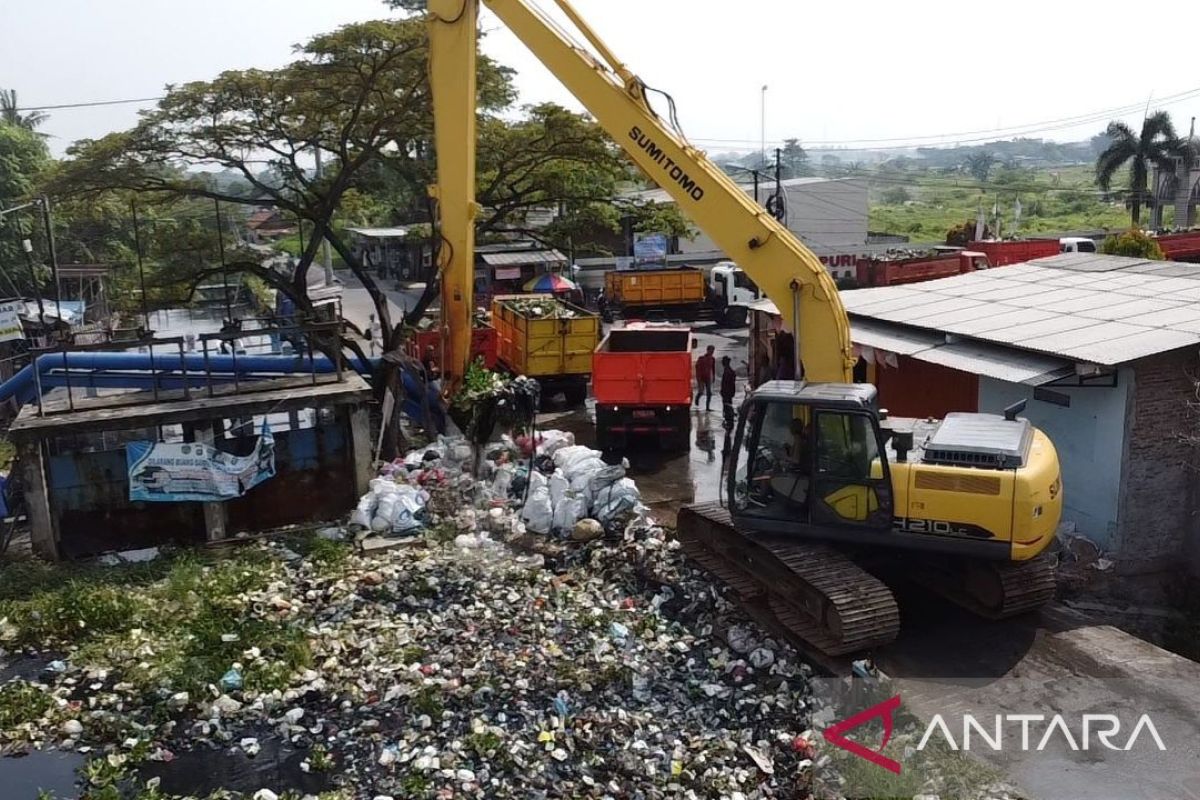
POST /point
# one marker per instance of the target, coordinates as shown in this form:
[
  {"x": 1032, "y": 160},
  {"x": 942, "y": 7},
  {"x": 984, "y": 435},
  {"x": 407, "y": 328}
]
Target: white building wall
[
  {"x": 824, "y": 214},
  {"x": 1089, "y": 437}
]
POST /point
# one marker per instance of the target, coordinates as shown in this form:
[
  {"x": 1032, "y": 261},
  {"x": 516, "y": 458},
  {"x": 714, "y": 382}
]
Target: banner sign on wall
[
  {"x": 10, "y": 323},
  {"x": 193, "y": 471}
]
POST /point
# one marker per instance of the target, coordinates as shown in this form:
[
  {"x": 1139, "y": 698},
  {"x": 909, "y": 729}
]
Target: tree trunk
[{"x": 378, "y": 298}]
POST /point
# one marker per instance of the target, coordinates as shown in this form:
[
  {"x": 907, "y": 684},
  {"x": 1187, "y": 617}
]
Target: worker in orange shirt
[{"x": 706, "y": 370}]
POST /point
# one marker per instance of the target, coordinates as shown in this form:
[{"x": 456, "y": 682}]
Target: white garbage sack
[
  {"x": 573, "y": 458},
  {"x": 360, "y": 518},
  {"x": 569, "y": 510},
  {"x": 538, "y": 513},
  {"x": 502, "y": 481},
  {"x": 617, "y": 498},
  {"x": 409, "y": 501},
  {"x": 551, "y": 441},
  {"x": 601, "y": 482},
  {"x": 558, "y": 487},
  {"x": 385, "y": 510}
]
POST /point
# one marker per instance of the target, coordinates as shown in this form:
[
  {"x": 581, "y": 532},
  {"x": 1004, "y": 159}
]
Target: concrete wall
[
  {"x": 1090, "y": 444},
  {"x": 1160, "y": 516}
]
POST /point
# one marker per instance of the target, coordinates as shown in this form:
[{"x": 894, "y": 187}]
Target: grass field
[{"x": 924, "y": 205}]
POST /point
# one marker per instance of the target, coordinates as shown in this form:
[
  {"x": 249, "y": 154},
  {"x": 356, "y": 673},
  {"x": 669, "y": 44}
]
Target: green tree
[
  {"x": 1133, "y": 243},
  {"x": 23, "y": 160},
  {"x": 10, "y": 112},
  {"x": 895, "y": 196},
  {"x": 794, "y": 160},
  {"x": 1156, "y": 145},
  {"x": 980, "y": 165},
  {"x": 556, "y": 160},
  {"x": 360, "y": 94}
]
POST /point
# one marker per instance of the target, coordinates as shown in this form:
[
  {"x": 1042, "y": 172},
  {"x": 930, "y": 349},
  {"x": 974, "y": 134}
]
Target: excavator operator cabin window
[{"x": 846, "y": 446}]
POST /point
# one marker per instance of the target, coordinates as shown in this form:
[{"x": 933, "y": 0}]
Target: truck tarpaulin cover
[{"x": 176, "y": 472}]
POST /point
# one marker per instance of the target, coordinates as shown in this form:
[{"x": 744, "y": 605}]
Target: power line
[
  {"x": 957, "y": 137},
  {"x": 92, "y": 104}
]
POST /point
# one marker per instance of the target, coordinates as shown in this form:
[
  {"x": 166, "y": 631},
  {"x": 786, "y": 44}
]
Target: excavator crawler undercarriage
[{"x": 834, "y": 606}]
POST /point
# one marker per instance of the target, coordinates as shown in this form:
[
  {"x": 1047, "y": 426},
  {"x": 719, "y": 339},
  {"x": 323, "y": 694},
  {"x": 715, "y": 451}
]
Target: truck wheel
[{"x": 576, "y": 395}]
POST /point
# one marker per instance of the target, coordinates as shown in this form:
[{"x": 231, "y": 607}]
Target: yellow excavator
[{"x": 821, "y": 486}]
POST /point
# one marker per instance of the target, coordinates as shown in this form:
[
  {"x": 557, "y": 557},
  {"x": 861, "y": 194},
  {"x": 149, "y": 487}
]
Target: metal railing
[{"x": 318, "y": 338}]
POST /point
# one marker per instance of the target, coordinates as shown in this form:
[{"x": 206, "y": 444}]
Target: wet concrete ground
[{"x": 669, "y": 480}]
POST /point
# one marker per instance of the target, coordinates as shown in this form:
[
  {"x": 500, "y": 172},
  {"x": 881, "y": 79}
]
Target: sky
[{"x": 837, "y": 73}]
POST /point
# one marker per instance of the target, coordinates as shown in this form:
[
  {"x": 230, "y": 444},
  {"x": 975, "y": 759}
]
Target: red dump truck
[
  {"x": 642, "y": 382},
  {"x": 1002, "y": 253},
  {"x": 894, "y": 271},
  {"x": 483, "y": 344},
  {"x": 980, "y": 255}
]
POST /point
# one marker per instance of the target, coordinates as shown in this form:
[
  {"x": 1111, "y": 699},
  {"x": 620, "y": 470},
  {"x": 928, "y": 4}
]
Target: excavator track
[
  {"x": 815, "y": 593},
  {"x": 992, "y": 590}
]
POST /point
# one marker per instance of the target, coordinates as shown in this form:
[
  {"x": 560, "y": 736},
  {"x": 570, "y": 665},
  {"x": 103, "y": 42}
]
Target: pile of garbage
[
  {"x": 453, "y": 665},
  {"x": 551, "y": 487},
  {"x": 542, "y": 307}
]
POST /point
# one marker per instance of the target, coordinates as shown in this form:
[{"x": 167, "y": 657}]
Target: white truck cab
[
  {"x": 1076, "y": 244},
  {"x": 730, "y": 291}
]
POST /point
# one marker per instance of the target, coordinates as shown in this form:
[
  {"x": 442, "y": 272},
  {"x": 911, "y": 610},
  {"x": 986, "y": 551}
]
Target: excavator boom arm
[{"x": 787, "y": 272}]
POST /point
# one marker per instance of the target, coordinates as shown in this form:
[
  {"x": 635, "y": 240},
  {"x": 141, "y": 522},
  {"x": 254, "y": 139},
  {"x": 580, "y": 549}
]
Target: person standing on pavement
[
  {"x": 728, "y": 388},
  {"x": 706, "y": 370}
]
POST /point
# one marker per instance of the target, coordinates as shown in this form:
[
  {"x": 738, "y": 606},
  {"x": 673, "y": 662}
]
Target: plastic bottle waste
[{"x": 232, "y": 680}]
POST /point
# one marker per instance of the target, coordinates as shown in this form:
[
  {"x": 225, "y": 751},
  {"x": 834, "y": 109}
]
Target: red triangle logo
[{"x": 834, "y": 734}]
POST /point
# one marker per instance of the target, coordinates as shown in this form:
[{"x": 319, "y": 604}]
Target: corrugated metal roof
[
  {"x": 999, "y": 362},
  {"x": 1080, "y": 306},
  {"x": 892, "y": 338},
  {"x": 523, "y": 257}
]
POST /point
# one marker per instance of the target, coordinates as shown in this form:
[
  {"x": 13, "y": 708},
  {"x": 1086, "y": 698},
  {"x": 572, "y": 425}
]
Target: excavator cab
[{"x": 810, "y": 456}]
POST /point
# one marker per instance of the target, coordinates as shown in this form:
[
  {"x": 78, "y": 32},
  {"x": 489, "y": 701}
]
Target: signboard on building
[
  {"x": 192, "y": 471},
  {"x": 508, "y": 273},
  {"x": 650, "y": 248},
  {"x": 10, "y": 322}
]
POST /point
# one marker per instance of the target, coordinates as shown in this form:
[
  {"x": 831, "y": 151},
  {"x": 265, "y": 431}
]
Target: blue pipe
[
  {"x": 23, "y": 387},
  {"x": 135, "y": 371}
]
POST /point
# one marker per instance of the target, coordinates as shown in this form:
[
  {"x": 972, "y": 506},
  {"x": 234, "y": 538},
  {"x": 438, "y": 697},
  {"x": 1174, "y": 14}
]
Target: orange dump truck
[
  {"x": 637, "y": 292},
  {"x": 642, "y": 382}
]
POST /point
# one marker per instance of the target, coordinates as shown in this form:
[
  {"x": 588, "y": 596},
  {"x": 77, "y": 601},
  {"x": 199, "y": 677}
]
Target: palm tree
[
  {"x": 1157, "y": 145},
  {"x": 10, "y": 112}
]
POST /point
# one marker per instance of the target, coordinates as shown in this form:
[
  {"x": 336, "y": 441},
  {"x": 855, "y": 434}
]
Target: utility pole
[
  {"x": 137, "y": 243},
  {"x": 778, "y": 172},
  {"x": 762, "y": 126},
  {"x": 224, "y": 267},
  {"x": 53, "y": 253},
  {"x": 326, "y": 257},
  {"x": 27, "y": 246}
]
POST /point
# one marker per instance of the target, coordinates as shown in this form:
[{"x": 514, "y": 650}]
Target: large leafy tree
[
  {"x": 1156, "y": 145},
  {"x": 979, "y": 165},
  {"x": 10, "y": 112},
  {"x": 554, "y": 159},
  {"x": 360, "y": 94},
  {"x": 794, "y": 160},
  {"x": 23, "y": 160}
]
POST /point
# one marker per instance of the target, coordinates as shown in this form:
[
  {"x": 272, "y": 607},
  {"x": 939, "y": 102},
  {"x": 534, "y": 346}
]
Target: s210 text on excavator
[{"x": 820, "y": 484}]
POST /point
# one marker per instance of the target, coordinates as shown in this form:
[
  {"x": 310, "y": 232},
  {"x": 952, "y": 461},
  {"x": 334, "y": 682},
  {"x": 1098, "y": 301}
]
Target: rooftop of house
[{"x": 1084, "y": 307}]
